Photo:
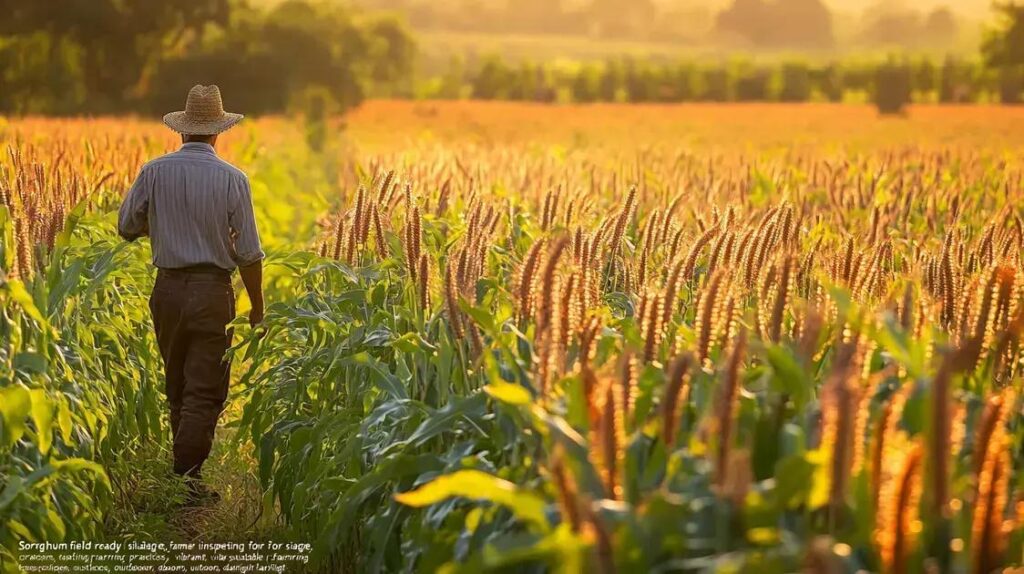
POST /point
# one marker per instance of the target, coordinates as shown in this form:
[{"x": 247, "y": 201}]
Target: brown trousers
[{"x": 191, "y": 311}]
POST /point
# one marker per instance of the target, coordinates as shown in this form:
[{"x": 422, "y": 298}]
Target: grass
[{"x": 149, "y": 500}]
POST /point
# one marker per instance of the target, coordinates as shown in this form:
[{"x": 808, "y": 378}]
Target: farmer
[{"x": 197, "y": 210}]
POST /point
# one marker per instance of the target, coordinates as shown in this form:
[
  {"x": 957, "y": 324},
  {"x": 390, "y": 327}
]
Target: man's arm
[
  {"x": 133, "y": 217},
  {"x": 252, "y": 278},
  {"x": 248, "y": 250}
]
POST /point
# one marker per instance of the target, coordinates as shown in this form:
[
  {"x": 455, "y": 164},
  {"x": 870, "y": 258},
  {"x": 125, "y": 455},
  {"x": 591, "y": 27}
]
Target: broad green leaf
[
  {"x": 793, "y": 477},
  {"x": 510, "y": 393},
  {"x": 789, "y": 377},
  {"x": 481, "y": 316},
  {"x": 412, "y": 343},
  {"x": 12, "y": 488},
  {"x": 820, "y": 479},
  {"x": 442, "y": 420},
  {"x": 20, "y": 530},
  {"x": 42, "y": 416},
  {"x": 79, "y": 465},
  {"x": 15, "y": 404},
  {"x": 30, "y": 363},
  {"x": 22, "y": 297},
  {"x": 565, "y": 552},
  {"x": 478, "y": 485}
]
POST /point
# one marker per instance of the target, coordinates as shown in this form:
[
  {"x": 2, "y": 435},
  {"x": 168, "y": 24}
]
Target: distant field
[
  {"x": 383, "y": 125},
  {"x": 437, "y": 47}
]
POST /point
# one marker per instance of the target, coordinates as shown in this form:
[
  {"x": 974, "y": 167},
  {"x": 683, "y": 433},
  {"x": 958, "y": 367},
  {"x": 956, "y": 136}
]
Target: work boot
[{"x": 198, "y": 494}]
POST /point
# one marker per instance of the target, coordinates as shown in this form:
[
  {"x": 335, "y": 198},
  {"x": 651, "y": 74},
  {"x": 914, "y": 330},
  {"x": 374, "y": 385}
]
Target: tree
[
  {"x": 892, "y": 87},
  {"x": 494, "y": 80},
  {"x": 266, "y": 59},
  {"x": 803, "y": 24},
  {"x": 586, "y": 84},
  {"x": 955, "y": 87},
  {"x": 1011, "y": 83},
  {"x": 117, "y": 41},
  {"x": 104, "y": 56},
  {"x": 831, "y": 82},
  {"x": 796, "y": 83},
  {"x": 747, "y": 19},
  {"x": 940, "y": 27},
  {"x": 40, "y": 75},
  {"x": 925, "y": 77},
  {"x": 716, "y": 85},
  {"x": 752, "y": 85},
  {"x": 612, "y": 82},
  {"x": 1003, "y": 50},
  {"x": 893, "y": 26},
  {"x": 1004, "y": 44}
]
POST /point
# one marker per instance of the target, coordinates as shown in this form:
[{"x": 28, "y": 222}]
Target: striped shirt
[{"x": 196, "y": 209}]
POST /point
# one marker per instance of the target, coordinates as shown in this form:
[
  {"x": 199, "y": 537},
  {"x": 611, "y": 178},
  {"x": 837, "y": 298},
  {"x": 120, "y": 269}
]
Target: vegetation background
[{"x": 70, "y": 57}]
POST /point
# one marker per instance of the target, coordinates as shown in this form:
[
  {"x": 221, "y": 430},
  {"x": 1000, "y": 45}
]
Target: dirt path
[{"x": 148, "y": 498}]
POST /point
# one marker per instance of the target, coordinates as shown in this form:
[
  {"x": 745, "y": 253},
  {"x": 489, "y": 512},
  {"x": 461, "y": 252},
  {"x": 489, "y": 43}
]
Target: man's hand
[
  {"x": 252, "y": 278},
  {"x": 256, "y": 317}
]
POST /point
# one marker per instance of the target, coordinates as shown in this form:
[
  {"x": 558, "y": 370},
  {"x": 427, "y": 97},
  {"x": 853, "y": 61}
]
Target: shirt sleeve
[
  {"x": 242, "y": 220},
  {"x": 133, "y": 217}
]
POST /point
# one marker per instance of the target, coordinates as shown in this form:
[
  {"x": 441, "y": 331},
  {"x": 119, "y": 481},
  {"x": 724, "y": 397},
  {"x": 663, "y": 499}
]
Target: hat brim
[{"x": 180, "y": 123}]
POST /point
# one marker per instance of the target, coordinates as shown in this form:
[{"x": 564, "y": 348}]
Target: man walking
[{"x": 197, "y": 210}]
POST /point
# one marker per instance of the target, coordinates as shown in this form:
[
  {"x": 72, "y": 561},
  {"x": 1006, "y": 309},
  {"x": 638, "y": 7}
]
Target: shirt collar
[{"x": 198, "y": 146}]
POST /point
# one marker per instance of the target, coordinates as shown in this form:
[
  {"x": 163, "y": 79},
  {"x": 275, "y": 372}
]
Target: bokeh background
[{"x": 72, "y": 57}]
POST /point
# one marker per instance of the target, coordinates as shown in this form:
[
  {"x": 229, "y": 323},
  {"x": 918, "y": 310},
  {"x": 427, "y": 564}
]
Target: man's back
[{"x": 196, "y": 208}]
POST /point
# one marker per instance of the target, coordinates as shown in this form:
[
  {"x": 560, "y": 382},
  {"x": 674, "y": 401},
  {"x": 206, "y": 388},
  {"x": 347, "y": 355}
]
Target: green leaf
[
  {"x": 793, "y": 477},
  {"x": 42, "y": 416},
  {"x": 64, "y": 420},
  {"x": 481, "y": 316},
  {"x": 378, "y": 372},
  {"x": 789, "y": 377},
  {"x": 412, "y": 342},
  {"x": 509, "y": 393},
  {"x": 30, "y": 363},
  {"x": 378, "y": 295},
  {"x": 820, "y": 479},
  {"x": 266, "y": 458},
  {"x": 907, "y": 354},
  {"x": 74, "y": 465},
  {"x": 15, "y": 404},
  {"x": 564, "y": 551},
  {"x": 21, "y": 296},
  {"x": 19, "y": 530},
  {"x": 71, "y": 221},
  {"x": 478, "y": 485},
  {"x": 10, "y": 492},
  {"x": 443, "y": 420}
]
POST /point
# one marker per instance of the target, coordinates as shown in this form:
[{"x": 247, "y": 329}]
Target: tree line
[
  {"x": 636, "y": 81},
  {"x": 112, "y": 56},
  {"x": 892, "y": 83}
]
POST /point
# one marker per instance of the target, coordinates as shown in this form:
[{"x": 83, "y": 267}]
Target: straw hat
[{"x": 204, "y": 114}]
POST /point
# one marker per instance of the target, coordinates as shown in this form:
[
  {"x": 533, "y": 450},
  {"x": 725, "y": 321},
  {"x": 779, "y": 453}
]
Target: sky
[
  {"x": 973, "y": 8},
  {"x": 967, "y": 7}
]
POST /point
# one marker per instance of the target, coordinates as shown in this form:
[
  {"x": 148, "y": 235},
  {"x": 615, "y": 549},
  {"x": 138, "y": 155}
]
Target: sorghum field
[{"x": 609, "y": 339}]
